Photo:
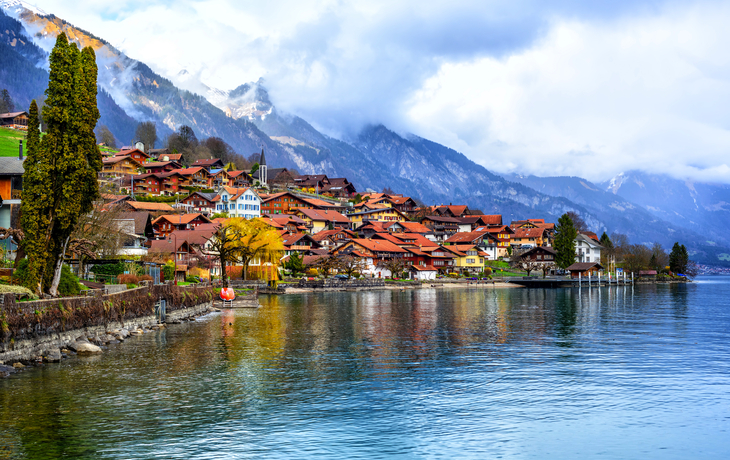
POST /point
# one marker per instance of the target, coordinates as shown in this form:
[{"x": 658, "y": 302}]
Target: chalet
[
  {"x": 166, "y": 224},
  {"x": 529, "y": 237},
  {"x": 196, "y": 177},
  {"x": 11, "y": 188},
  {"x": 503, "y": 234},
  {"x": 378, "y": 215},
  {"x": 476, "y": 237},
  {"x": 403, "y": 204},
  {"x": 286, "y": 222},
  {"x": 339, "y": 187},
  {"x": 372, "y": 252},
  {"x": 120, "y": 166},
  {"x": 209, "y": 163},
  {"x": 333, "y": 238},
  {"x": 318, "y": 220},
  {"x": 298, "y": 242},
  {"x": 239, "y": 179},
  {"x": 482, "y": 221},
  {"x": 219, "y": 178},
  {"x": 15, "y": 120},
  {"x": 583, "y": 269},
  {"x": 442, "y": 227},
  {"x": 283, "y": 203},
  {"x": 136, "y": 230},
  {"x": 276, "y": 177},
  {"x": 200, "y": 202},
  {"x": 371, "y": 228},
  {"x": 159, "y": 153},
  {"x": 314, "y": 181},
  {"x": 156, "y": 167},
  {"x": 468, "y": 257},
  {"x": 238, "y": 202},
  {"x": 452, "y": 211},
  {"x": 587, "y": 249},
  {"x": 179, "y": 249},
  {"x": 138, "y": 155},
  {"x": 441, "y": 259},
  {"x": 540, "y": 255},
  {"x": 423, "y": 272}
]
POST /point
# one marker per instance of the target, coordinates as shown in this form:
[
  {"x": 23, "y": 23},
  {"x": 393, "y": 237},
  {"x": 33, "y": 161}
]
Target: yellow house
[
  {"x": 468, "y": 257},
  {"x": 378, "y": 215},
  {"x": 322, "y": 219},
  {"x": 529, "y": 237}
]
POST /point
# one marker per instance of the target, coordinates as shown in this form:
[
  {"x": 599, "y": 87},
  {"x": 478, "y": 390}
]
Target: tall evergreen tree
[
  {"x": 6, "y": 102},
  {"x": 66, "y": 163},
  {"x": 564, "y": 242},
  {"x": 606, "y": 241},
  {"x": 678, "y": 258},
  {"x": 35, "y": 205}
]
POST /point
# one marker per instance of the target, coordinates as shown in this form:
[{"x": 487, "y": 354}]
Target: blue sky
[{"x": 548, "y": 88}]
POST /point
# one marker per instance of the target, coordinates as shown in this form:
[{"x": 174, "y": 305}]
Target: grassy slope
[{"x": 9, "y": 142}]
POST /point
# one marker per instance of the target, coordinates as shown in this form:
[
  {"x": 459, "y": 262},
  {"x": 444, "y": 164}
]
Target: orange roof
[
  {"x": 180, "y": 218},
  {"x": 413, "y": 227},
  {"x": 148, "y": 206},
  {"x": 529, "y": 232},
  {"x": 467, "y": 237},
  {"x": 323, "y": 215},
  {"x": 190, "y": 171},
  {"x": 378, "y": 245}
]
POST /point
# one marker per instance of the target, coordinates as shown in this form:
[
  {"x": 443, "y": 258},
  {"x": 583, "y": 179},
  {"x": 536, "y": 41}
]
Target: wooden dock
[{"x": 553, "y": 283}]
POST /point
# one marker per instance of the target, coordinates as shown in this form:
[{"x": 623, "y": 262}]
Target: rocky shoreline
[{"x": 89, "y": 341}]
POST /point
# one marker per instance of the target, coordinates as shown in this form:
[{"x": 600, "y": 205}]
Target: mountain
[
  {"x": 246, "y": 118},
  {"x": 645, "y": 208},
  {"x": 702, "y": 207}
]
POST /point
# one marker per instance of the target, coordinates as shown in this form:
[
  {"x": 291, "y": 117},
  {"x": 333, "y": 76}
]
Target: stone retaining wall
[
  {"x": 25, "y": 325},
  {"x": 335, "y": 283}
]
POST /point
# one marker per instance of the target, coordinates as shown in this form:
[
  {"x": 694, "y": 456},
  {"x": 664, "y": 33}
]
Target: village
[{"x": 167, "y": 213}]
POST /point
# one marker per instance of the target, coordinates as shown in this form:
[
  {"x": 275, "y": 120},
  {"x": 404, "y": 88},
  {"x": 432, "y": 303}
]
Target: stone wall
[
  {"x": 26, "y": 325},
  {"x": 335, "y": 283}
]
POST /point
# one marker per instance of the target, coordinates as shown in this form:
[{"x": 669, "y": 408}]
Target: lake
[{"x": 623, "y": 372}]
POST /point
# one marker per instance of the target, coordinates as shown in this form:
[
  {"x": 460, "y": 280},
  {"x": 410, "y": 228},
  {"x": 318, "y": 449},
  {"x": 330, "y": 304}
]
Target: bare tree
[
  {"x": 349, "y": 265},
  {"x": 326, "y": 265},
  {"x": 103, "y": 134},
  {"x": 636, "y": 257},
  {"x": 578, "y": 222},
  {"x": 147, "y": 134},
  {"x": 395, "y": 265}
]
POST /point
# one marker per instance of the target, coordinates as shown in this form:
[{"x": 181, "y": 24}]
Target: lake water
[{"x": 612, "y": 373}]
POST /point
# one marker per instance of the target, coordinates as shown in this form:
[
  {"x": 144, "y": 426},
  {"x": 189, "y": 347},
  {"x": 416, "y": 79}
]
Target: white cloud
[
  {"x": 563, "y": 87},
  {"x": 592, "y": 100}
]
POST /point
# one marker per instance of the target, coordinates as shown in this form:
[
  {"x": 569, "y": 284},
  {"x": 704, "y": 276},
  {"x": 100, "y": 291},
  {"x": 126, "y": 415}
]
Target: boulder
[
  {"x": 52, "y": 355},
  {"x": 85, "y": 348},
  {"x": 5, "y": 371},
  {"x": 109, "y": 338},
  {"x": 125, "y": 333},
  {"x": 18, "y": 365}
]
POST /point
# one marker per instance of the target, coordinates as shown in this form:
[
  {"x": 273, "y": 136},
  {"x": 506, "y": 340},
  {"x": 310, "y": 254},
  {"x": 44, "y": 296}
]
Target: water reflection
[{"x": 461, "y": 372}]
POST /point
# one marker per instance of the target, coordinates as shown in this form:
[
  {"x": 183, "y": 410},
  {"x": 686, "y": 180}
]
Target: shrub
[
  {"x": 235, "y": 272},
  {"x": 69, "y": 284},
  {"x": 168, "y": 270},
  {"x": 312, "y": 272},
  {"x": 131, "y": 285},
  {"x": 20, "y": 291},
  {"x": 127, "y": 279},
  {"x": 144, "y": 278},
  {"x": 487, "y": 272},
  {"x": 108, "y": 269},
  {"x": 191, "y": 279}
]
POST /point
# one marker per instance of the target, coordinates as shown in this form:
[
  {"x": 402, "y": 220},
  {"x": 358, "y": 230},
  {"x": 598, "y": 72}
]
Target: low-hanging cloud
[{"x": 562, "y": 87}]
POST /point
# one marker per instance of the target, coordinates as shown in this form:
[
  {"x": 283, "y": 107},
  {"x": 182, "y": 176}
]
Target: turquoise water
[{"x": 611, "y": 373}]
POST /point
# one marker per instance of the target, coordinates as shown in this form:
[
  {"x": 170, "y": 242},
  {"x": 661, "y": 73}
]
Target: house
[
  {"x": 218, "y": 178},
  {"x": 142, "y": 223},
  {"x": 333, "y": 238},
  {"x": 482, "y": 221},
  {"x": 178, "y": 249},
  {"x": 134, "y": 229},
  {"x": 540, "y": 254},
  {"x": 200, "y": 202},
  {"x": 503, "y": 234},
  {"x": 283, "y": 203},
  {"x": 441, "y": 259},
  {"x": 372, "y": 253},
  {"x": 285, "y": 222},
  {"x": 442, "y": 227},
  {"x": 587, "y": 249},
  {"x": 452, "y": 211},
  {"x": 276, "y": 177},
  {"x": 15, "y": 120},
  {"x": 339, "y": 187},
  {"x": 209, "y": 163},
  {"x": 529, "y": 237},
  {"x": 156, "y": 167},
  {"x": 120, "y": 166},
  {"x": 11, "y": 188},
  {"x": 468, "y": 257},
  {"x": 238, "y": 202},
  {"x": 423, "y": 272},
  {"x": 138, "y": 155},
  {"x": 166, "y": 224},
  {"x": 378, "y": 215},
  {"x": 161, "y": 153},
  {"x": 584, "y": 269},
  {"x": 313, "y": 181},
  {"x": 299, "y": 243},
  {"x": 196, "y": 177},
  {"x": 318, "y": 220},
  {"x": 239, "y": 179},
  {"x": 403, "y": 204}
]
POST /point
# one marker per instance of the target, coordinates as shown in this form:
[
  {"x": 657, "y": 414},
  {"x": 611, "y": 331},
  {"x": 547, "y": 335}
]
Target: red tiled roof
[
  {"x": 180, "y": 218},
  {"x": 378, "y": 245},
  {"x": 324, "y": 215},
  {"x": 146, "y": 206}
]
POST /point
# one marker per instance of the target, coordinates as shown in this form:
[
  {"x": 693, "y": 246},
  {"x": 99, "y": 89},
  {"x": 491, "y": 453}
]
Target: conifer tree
[
  {"x": 65, "y": 164},
  {"x": 678, "y": 258},
  {"x": 564, "y": 242}
]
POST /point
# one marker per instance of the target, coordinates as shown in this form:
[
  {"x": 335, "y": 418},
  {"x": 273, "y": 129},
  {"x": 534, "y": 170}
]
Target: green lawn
[{"x": 9, "y": 142}]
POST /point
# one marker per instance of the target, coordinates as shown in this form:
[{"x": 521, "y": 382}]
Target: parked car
[{"x": 341, "y": 277}]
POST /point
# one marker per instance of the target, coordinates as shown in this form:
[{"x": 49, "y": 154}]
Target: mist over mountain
[{"x": 374, "y": 158}]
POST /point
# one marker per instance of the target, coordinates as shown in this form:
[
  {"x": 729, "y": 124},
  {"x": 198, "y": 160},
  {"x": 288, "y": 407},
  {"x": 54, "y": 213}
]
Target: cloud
[{"x": 561, "y": 87}]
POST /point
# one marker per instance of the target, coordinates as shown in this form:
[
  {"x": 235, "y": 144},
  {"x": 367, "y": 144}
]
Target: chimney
[{"x": 20, "y": 150}]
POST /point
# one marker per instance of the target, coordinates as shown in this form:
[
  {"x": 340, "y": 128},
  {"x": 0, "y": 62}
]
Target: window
[{"x": 470, "y": 261}]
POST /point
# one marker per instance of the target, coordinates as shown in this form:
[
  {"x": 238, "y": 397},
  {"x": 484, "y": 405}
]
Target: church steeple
[{"x": 263, "y": 170}]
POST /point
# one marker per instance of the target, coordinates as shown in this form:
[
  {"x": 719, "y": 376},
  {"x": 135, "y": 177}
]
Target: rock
[
  {"x": 96, "y": 340},
  {"x": 125, "y": 333},
  {"x": 84, "y": 348},
  {"x": 111, "y": 342},
  {"x": 119, "y": 338},
  {"x": 5, "y": 371},
  {"x": 137, "y": 332},
  {"x": 52, "y": 355},
  {"x": 18, "y": 365},
  {"x": 109, "y": 338}
]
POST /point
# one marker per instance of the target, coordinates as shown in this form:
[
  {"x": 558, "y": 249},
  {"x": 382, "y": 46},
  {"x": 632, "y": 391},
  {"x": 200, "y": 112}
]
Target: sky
[{"x": 568, "y": 87}]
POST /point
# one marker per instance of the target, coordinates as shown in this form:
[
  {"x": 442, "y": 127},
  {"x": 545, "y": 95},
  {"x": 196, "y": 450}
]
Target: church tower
[{"x": 263, "y": 172}]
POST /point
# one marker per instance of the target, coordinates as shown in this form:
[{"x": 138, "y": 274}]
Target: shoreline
[{"x": 404, "y": 287}]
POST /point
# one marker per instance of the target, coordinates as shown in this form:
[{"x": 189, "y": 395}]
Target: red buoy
[{"x": 227, "y": 294}]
